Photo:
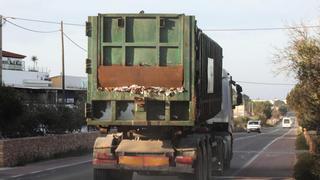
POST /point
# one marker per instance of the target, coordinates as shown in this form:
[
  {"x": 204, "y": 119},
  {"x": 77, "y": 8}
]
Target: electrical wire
[
  {"x": 44, "y": 21},
  {"x": 31, "y": 30},
  {"x": 76, "y": 44},
  {"x": 73, "y": 42},
  {"x": 54, "y": 31},
  {"x": 263, "y": 28},
  {"x": 266, "y": 83},
  {"x": 221, "y": 29},
  {"x": 216, "y": 30}
]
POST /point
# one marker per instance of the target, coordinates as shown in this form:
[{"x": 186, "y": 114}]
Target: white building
[
  {"x": 15, "y": 75},
  {"x": 71, "y": 82}
]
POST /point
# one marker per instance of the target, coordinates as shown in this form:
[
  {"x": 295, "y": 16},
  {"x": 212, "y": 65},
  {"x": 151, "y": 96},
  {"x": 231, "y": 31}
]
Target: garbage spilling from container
[{"x": 145, "y": 91}]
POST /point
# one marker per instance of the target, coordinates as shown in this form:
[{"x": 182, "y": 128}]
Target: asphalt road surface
[{"x": 269, "y": 155}]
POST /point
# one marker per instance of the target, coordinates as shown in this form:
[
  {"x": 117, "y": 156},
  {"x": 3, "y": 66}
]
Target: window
[
  {"x": 254, "y": 123},
  {"x": 210, "y": 72}
]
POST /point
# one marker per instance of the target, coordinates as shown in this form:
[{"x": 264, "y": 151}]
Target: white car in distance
[
  {"x": 286, "y": 122},
  {"x": 254, "y": 125}
]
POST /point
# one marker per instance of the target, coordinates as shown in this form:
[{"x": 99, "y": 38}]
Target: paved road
[{"x": 269, "y": 155}]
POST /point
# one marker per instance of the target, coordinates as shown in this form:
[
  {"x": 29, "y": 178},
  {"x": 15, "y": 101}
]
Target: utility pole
[
  {"x": 1, "y": 50},
  {"x": 63, "y": 77}
]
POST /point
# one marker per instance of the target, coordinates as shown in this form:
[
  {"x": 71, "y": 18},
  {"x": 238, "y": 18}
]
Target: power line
[
  {"x": 54, "y": 31},
  {"x": 45, "y": 21},
  {"x": 76, "y": 44},
  {"x": 263, "y": 28},
  {"x": 218, "y": 29},
  {"x": 32, "y": 30},
  {"x": 266, "y": 83}
]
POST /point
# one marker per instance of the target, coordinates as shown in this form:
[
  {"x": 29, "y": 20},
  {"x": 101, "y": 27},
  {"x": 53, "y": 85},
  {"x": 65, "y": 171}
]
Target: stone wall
[{"x": 21, "y": 150}]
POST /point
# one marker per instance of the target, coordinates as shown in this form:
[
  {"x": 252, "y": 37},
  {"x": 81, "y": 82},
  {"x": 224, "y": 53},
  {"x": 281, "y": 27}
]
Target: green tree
[
  {"x": 263, "y": 110},
  {"x": 34, "y": 59},
  {"x": 11, "y": 109},
  {"x": 303, "y": 102},
  {"x": 279, "y": 103},
  {"x": 283, "y": 109},
  {"x": 19, "y": 120},
  {"x": 279, "y": 109},
  {"x": 59, "y": 119},
  {"x": 302, "y": 59}
]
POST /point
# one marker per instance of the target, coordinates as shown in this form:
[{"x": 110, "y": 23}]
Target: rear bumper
[
  {"x": 286, "y": 126},
  {"x": 161, "y": 170},
  {"x": 253, "y": 129}
]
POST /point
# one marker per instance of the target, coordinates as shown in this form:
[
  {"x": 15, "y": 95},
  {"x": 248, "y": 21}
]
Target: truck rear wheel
[
  {"x": 220, "y": 156},
  {"x": 198, "y": 173},
  {"x": 198, "y": 168},
  {"x": 107, "y": 174},
  {"x": 209, "y": 154},
  {"x": 227, "y": 164},
  {"x": 205, "y": 162}
]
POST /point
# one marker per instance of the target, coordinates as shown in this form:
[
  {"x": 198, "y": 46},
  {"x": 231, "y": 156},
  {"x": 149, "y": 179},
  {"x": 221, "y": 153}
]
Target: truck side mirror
[
  {"x": 239, "y": 88},
  {"x": 239, "y": 95},
  {"x": 239, "y": 99}
]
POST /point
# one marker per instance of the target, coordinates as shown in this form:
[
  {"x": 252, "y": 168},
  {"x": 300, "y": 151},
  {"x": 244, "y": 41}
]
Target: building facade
[
  {"x": 71, "y": 82},
  {"x": 36, "y": 86},
  {"x": 14, "y": 73}
]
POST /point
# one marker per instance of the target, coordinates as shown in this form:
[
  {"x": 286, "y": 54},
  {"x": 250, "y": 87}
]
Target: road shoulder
[{"x": 38, "y": 167}]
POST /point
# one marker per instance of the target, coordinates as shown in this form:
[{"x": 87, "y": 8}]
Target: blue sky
[{"x": 247, "y": 55}]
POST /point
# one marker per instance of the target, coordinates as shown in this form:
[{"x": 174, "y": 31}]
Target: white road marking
[
  {"x": 259, "y": 153},
  {"x": 257, "y": 178},
  {"x": 266, "y": 152},
  {"x": 5, "y": 168},
  {"x": 53, "y": 168}
]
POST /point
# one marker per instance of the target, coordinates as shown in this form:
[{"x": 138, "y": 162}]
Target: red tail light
[
  {"x": 184, "y": 159},
  {"x": 104, "y": 158}
]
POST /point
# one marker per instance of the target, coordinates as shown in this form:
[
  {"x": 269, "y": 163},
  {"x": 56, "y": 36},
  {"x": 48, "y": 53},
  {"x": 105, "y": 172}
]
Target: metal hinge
[
  {"x": 88, "y": 110},
  {"x": 88, "y": 29},
  {"x": 88, "y": 66}
]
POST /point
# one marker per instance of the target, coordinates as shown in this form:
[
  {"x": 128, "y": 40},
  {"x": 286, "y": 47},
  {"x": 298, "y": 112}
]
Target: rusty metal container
[{"x": 151, "y": 70}]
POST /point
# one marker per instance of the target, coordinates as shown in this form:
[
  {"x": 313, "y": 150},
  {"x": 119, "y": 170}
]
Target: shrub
[
  {"x": 20, "y": 120},
  {"x": 59, "y": 119},
  {"x": 11, "y": 109},
  {"x": 318, "y": 144},
  {"x": 306, "y": 167},
  {"x": 316, "y": 168},
  {"x": 301, "y": 143},
  {"x": 240, "y": 123}
]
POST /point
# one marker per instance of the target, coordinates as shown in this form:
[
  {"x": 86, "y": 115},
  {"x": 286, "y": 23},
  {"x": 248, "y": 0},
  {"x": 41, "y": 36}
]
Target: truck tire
[
  {"x": 220, "y": 159},
  {"x": 106, "y": 174},
  {"x": 227, "y": 164},
  {"x": 227, "y": 160},
  {"x": 198, "y": 174},
  {"x": 198, "y": 168},
  {"x": 205, "y": 161},
  {"x": 210, "y": 165}
]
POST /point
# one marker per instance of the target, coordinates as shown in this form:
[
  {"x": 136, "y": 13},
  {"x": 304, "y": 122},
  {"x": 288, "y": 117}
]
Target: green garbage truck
[{"x": 160, "y": 97}]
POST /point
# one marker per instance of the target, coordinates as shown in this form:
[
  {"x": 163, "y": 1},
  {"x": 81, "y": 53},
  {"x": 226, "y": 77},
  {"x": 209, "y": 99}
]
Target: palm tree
[{"x": 34, "y": 59}]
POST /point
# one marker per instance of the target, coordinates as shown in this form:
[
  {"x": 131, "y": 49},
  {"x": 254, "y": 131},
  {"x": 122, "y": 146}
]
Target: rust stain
[{"x": 117, "y": 76}]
